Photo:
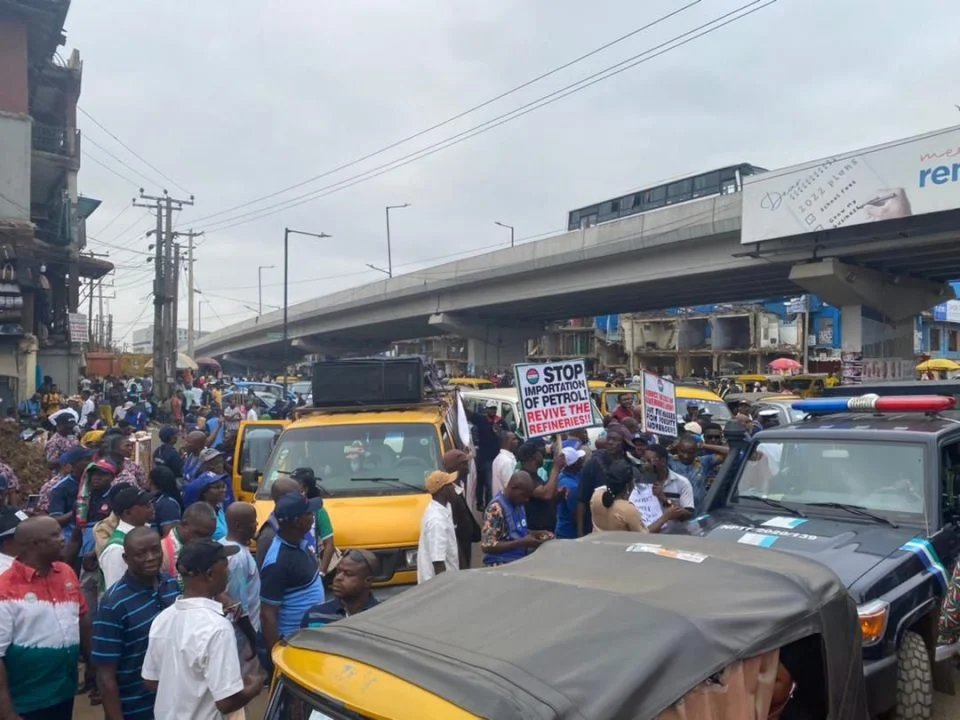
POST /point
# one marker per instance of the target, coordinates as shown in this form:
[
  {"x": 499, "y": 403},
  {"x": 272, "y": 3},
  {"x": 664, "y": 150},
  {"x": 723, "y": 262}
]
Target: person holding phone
[{"x": 671, "y": 488}]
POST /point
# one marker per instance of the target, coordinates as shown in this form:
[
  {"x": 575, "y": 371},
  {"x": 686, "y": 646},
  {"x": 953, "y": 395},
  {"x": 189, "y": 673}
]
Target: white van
[{"x": 508, "y": 401}]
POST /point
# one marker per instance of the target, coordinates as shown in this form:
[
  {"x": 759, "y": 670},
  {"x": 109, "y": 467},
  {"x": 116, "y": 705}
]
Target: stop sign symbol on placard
[{"x": 533, "y": 377}]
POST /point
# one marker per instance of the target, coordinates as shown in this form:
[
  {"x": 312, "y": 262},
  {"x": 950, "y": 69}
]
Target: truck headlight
[
  {"x": 410, "y": 558},
  {"x": 873, "y": 620}
]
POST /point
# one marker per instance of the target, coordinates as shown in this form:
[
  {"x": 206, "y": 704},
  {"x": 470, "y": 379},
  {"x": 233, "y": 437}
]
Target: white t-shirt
[
  {"x": 504, "y": 466},
  {"x": 438, "y": 541},
  {"x": 649, "y": 506},
  {"x": 192, "y": 655},
  {"x": 252, "y": 415},
  {"x": 85, "y": 411},
  {"x": 5, "y": 562},
  {"x": 244, "y": 581},
  {"x": 112, "y": 564}
]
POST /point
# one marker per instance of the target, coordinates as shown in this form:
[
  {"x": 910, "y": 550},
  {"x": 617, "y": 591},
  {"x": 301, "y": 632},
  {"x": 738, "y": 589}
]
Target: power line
[
  {"x": 130, "y": 327},
  {"x": 121, "y": 161},
  {"x": 459, "y": 115},
  {"x": 132, "y": 151},
  {"x": 114, "y": 219},
  {"x": 87, "y": 154},
  {"x": 651, "y": 53}
]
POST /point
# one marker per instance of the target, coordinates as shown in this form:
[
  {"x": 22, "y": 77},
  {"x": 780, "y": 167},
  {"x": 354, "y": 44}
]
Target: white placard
[
  {"x": 659, "y": 406},
  {"x": 554, "y": 397}
]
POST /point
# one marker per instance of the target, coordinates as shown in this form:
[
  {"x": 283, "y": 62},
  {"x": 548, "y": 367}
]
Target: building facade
[{"x": 42, "y": 215}]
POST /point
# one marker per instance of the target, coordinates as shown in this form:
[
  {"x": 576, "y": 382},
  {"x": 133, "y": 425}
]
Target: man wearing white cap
[
  {"x": 438, "y": 551},
  {"x": 569, "y": 489}
]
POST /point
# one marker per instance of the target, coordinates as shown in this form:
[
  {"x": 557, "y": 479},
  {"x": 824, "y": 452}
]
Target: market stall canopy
[
  {"x": 938, "y": 365},
  {"x": 613, "y": 625},
  {"x": 184, "y": 362}
]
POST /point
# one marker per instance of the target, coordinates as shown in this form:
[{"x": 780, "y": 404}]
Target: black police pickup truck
[{"x": 873, "y": 497}]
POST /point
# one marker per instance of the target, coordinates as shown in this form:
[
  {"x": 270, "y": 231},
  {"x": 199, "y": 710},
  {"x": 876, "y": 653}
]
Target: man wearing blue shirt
[
  {"x": 568, "y": 489},
  {"x": 122, "y": 625},
  {"x": 290, "y": 582}
]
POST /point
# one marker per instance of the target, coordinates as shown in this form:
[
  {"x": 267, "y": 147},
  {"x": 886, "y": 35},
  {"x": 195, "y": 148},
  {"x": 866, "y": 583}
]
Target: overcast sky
[{"x": 237, "y": 99}]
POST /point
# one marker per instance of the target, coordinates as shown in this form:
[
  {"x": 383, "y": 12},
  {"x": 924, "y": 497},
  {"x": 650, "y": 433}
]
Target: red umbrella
[{"x": 781, "y": 364}]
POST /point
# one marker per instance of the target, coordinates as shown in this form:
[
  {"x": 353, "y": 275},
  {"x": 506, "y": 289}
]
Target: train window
[
  {"x": 654, "y": 198},
  {"x": 679, "y": 191},
  {"x": 609, "y": 210},
  {"x": 588, "y": 220},
  {"x": 708, "y": 184},
  {"x": 629, "y": 205},
  {"x": 728, "y": 181}
]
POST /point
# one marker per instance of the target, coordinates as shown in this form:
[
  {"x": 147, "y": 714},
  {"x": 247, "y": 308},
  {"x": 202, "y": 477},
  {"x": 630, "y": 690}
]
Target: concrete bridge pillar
[
  {"x": 877, "y": 309},
  {"x": 489, "y": 347}
]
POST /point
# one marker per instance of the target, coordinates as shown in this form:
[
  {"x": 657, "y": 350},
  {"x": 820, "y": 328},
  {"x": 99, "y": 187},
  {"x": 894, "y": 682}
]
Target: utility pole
[
  {"x": 100, "y": 313},
  {"x": 90, "y": 311},
  {"x": 191, "y": 236},
  {"x": 175, "y": 294},
  {"x": 164, "y": 347}
]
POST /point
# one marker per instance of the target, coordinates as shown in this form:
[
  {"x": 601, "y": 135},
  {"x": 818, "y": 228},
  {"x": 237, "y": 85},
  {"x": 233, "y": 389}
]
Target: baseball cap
[
  {"x": 103, "y": 465},
  {"x": 572, "y": 455},
  {"x": 198, "y": 556},
  {"x": 208, "y": 454},
  {"x": 74, "y": 455},
  {"x": 438, "y": 479},
  {"x": 491, "y": 405},
  {"x": 124, "y": 498},
  {"x": 9, "y": 519},
  {"x": 693, "y": 428},
  {"x": 293, "y": 505},
  {"x": 303, "y": 474},
  {"x": 571, "y": 443}
]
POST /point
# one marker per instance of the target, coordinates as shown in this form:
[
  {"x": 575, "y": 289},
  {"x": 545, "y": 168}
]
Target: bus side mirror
[{"x": 250, "y": 479}]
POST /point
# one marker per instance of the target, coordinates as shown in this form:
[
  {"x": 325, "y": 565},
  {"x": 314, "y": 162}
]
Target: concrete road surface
[{"x": 945, "y": 707}]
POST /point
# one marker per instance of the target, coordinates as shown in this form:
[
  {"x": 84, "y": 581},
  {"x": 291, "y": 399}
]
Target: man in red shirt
[
  {"x": 625, "y": 407},
  {"x": 44, "y": 624}
]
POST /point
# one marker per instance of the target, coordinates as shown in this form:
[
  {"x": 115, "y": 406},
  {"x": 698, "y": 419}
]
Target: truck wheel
[{"x": 914, "y": 680}]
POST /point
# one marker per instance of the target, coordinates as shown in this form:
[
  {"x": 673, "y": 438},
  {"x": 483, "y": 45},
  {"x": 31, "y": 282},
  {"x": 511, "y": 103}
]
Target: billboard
[
  {"x": 896, "y": 180},
  {"x": 947, "y": 312}
]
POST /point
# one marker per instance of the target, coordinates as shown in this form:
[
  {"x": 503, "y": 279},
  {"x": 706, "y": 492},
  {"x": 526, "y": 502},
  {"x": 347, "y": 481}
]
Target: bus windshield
[{"x": 361, "y": 459}]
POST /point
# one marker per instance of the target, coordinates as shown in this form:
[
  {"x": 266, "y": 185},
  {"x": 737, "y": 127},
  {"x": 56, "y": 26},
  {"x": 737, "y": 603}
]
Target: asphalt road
[{"x": 945, "y": 707}]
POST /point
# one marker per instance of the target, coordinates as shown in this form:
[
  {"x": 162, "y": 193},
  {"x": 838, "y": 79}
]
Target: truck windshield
[
  {"x": 884, "y": 477},
  {"x": 362, "y": 459}
]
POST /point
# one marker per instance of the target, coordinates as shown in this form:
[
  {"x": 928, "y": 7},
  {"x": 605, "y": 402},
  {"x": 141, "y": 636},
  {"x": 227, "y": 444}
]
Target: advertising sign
[
  {"x": 659, "y": 406},
  {"x": 554, "y": 396},
  {"x": 947, "y": 312},
  {"x": 77, "y": 327},
  {"x": 896, "y": 180}
]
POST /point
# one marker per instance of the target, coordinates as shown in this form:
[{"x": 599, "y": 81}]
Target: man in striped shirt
[
  {"x": 121, "y": 627},
  {"x": 290, "y": 581},
  {"x": 43, "y": 625}
]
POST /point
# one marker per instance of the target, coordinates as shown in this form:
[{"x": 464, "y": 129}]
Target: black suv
[{"x": 873, "y": 497}]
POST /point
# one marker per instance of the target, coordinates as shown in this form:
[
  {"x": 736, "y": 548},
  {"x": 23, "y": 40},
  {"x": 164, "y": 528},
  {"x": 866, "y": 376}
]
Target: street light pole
[
  {"x": 260, "y": 270},
  {"x": 509, "y": 227},
  {"x": 287, "y": 232},
  {"x": 389, "y": 249}
]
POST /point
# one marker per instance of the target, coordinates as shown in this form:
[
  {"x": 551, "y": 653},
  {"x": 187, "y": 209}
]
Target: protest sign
[
  {"x": 659, "y": 406},
  {"x": 554, "y": 396},
  {"x": 647, "y": 503}
]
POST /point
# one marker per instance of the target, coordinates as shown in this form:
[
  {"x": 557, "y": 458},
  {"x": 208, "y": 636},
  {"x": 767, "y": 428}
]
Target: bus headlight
[{"x": 873, "y": 620}]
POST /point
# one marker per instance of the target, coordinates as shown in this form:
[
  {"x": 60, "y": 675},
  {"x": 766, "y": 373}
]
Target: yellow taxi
[
  {"x": 609, "y": 397},
  {"x": 372, "y": 463}
]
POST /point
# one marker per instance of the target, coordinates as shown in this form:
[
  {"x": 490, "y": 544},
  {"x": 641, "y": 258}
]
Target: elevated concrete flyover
[{"x": 685, "y": 254}]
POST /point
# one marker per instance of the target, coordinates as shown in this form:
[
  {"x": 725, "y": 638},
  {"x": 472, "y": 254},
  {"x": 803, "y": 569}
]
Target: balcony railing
[{"x": 54, "y": 139}]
